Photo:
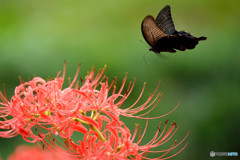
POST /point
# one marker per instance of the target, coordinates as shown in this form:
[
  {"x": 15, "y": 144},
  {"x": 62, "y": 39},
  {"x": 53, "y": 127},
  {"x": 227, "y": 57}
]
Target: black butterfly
[{"x": 161, "y": 35}]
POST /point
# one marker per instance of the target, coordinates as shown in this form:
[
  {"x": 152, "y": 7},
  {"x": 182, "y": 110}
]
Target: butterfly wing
[
  {"x": 164, "y": 20},
  {"x": 151, "y": 32}
]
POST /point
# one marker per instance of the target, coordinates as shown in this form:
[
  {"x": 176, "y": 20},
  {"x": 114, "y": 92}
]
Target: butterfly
[{"x": 162, "y": 36}]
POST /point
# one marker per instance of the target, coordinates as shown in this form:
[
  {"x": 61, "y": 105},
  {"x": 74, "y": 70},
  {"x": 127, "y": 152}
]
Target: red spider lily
[
  {"x": 41, "y": 110},
  {"x": 24, "y": 152},
  {"x": 116, "y": 142}
]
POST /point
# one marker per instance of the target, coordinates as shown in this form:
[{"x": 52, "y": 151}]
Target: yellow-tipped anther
[
  {"x": 82, "y": 112},
  {"x": 137, "y": 124},
  {"x": 47, "y": 113},
  {"x": 29, "y": 119},
  {"x": 93, "y": 68}
]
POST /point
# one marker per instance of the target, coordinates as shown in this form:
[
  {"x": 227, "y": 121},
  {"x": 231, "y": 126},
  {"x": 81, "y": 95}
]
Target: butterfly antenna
[{"x": 145, "y": 59}]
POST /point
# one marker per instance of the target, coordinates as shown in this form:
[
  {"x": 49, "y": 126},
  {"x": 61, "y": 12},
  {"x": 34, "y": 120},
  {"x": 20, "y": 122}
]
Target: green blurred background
[{"x": 37, "y": 36}]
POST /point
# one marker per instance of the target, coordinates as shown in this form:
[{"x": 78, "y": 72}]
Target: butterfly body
[{"x": 161, "y": 35}]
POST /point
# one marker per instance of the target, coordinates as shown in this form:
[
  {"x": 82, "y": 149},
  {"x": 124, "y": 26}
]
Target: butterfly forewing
[
  {"x": 164, "y": 20},
  {"x": 151, "y": 32}
]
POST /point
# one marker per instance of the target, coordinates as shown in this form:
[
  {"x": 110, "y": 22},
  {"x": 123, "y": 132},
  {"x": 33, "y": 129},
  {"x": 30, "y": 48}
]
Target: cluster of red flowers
[{"x": 42, "y": 111}]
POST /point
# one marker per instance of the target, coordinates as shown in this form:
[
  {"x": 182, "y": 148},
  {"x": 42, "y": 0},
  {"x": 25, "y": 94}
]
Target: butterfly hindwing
[{"x": 180, "y": 40}]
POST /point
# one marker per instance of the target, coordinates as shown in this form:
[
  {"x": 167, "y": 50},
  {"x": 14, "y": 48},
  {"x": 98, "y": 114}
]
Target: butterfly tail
[{"x": 202, "y": 38}]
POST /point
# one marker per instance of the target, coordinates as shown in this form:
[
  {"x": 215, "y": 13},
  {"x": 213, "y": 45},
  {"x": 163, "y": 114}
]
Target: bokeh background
[{"x": 37, "y": 36}]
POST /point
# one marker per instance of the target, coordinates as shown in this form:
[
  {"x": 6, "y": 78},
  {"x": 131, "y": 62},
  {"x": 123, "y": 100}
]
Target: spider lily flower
[
  {"x": 42, "y": 110},
  {"x": 24, "y": 152},
  {"x": 115, "y": 141}
]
